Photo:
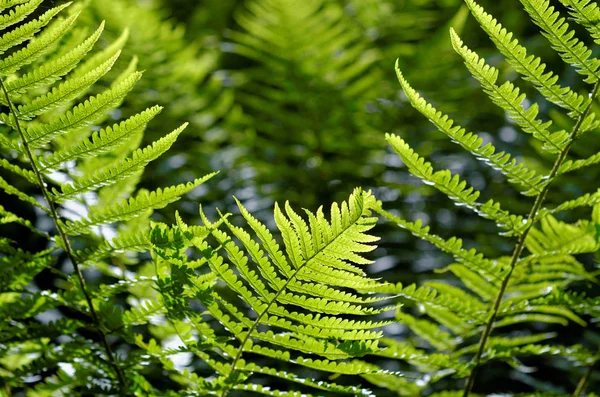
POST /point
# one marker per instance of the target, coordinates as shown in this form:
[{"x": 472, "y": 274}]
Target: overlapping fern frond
[
  {"x": 305, "y": 303},
  {"x": 63, "y": 142},
  {"x": 524, "y": 286}
]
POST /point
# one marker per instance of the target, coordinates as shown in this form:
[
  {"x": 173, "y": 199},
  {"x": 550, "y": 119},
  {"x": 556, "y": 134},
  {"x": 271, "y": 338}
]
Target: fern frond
[
  {"x": 472, "y": 258},
  {"x": 429, "y": 331},
  {"x": 587, "y": 200},
  {"x": 509, "y": 98},
  {"x": 560, "y": 237},
  {"x": 7, "y": 217},
  {"x": 573, "y": 165},
  {"x": 320, "y": 385},
  {"x": 530, "y": 67},
  {"x": 82, "y": 115},
  {"x": 100, "y": 141},
  {"x": 10, "y": 189},
  {"x": 102, "y": 56},
  {"x": 65, "y": 92},
  {"x": 38, "y": 47},
  {"x": 529, "y": 182},
  {"x": 571, "y": 49},
  {"x": 49, "y": 72},
  {"x": 18, "y": 13},
  {"x": 25, "y": 32},
  {"x": 447, "y": 301},
  {"x": 11, "y": 3},
  {"x": 474, "y": 282},
  {"x": 587, "y": 14},
  {"x": 119, "y": 169},
  {"x": 286, "y": 291},
  {"x": 130, "y": 242},
  {"x": 456, "y": 189},
  {"x": 404, "y": 351},
  {"x": 27, "y": 174},
  {"x": 132, "y": 207}
]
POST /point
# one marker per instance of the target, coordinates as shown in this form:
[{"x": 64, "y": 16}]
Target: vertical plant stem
[
  {"x": 582, "y": 385},
  {"x": 537, "y": 205},
  {"x": 65, "y": 240}
]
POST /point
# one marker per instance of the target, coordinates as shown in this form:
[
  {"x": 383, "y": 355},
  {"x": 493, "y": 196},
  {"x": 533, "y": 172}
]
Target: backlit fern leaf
[
  {"x": 307, "y": 316},
  {"x": 54, "y": 131},
  {"x": 456, "y": 189},
  {"x": 509, "y": 98},
  {"x": 517, "y": 173},
  {"x": 531, "y": 68},
  {"x": 563, "y": 40}
]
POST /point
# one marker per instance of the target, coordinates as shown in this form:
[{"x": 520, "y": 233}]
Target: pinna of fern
[
  {"x": 58, "y": 140},
  {"x": 306, "y": 303},
  {"x": 516, "y": 288}
]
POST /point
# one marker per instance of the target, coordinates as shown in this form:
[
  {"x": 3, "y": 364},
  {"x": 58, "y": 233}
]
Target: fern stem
[
  {"x": 67, "y": 244},
  {"x": 520, "y": 245},
  {"x": 582, "y": 385}
]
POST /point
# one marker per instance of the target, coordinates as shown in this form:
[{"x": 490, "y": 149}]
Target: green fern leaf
[
  {"x": 38, "y": 47},
  {"x": 456, "y": 189},
  {"x": 18, "y": 13},
  {"x": 26, "y": 31},
  {"x": 530, "y": 67},
  {"x": 65, "y": 92},
  {"x": 27, "y": 174},
  {"x": 119, "y": 169},
  {"x": 509, "y": 98},
  {"x": 471, "y": 257},
  {"x": 101, "y": 57},
  {"x": 10, "y": 189},
  {"x": 517, "y": 173},
  {"x": 100, "y": 141},
  {"x": 571, "y": 49},
  {"x": 82, "y": 115},
  {"x": 49, "y": 72},
  {"x": 132, "y": 207},
  {"x": 586, "y": 14}
]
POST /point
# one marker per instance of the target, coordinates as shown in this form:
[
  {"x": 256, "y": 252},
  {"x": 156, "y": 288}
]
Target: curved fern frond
[
  {"x": 587, "y": 14},
  {"x": 517, "y": 173},
  {"x": 133, "y": 207},
  {"x": 18, "y": 13},
  {"x": 284, "y": 288},
  {"x": 119, "y": 169},
  {"x": 100, "y": 141},
  {"x": 530, "y": 67},
  {"x": 25, "y": 32},
  {"x": 65, "y": 92},
  {"x": 471, "y": 257},
  {"x": 38, "y": 47},
  {"x": 455, "y": 188},
  {"x": 48, "y": 73},
  {"x": 509, "y": 98},
  {"x": 560, "y": 237},
  {"x": 50, "y": 141},
  {"x": 571, "y": 49},
  {"x": 82, "y": 115}
]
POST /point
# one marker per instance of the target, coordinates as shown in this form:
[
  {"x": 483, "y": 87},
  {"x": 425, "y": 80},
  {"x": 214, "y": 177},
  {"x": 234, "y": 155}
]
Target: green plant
[
  {"x": 52, "y": 139},
  {"x": 532, "y": 282},
  {"x": 246, "y": 312}
]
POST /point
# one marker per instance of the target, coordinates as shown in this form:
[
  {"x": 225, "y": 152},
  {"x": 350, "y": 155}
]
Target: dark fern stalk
[
  {"x": 521, "y": 242},
  {"x": 67, "y": 244},
  {"x": 583, "y": 382}
]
